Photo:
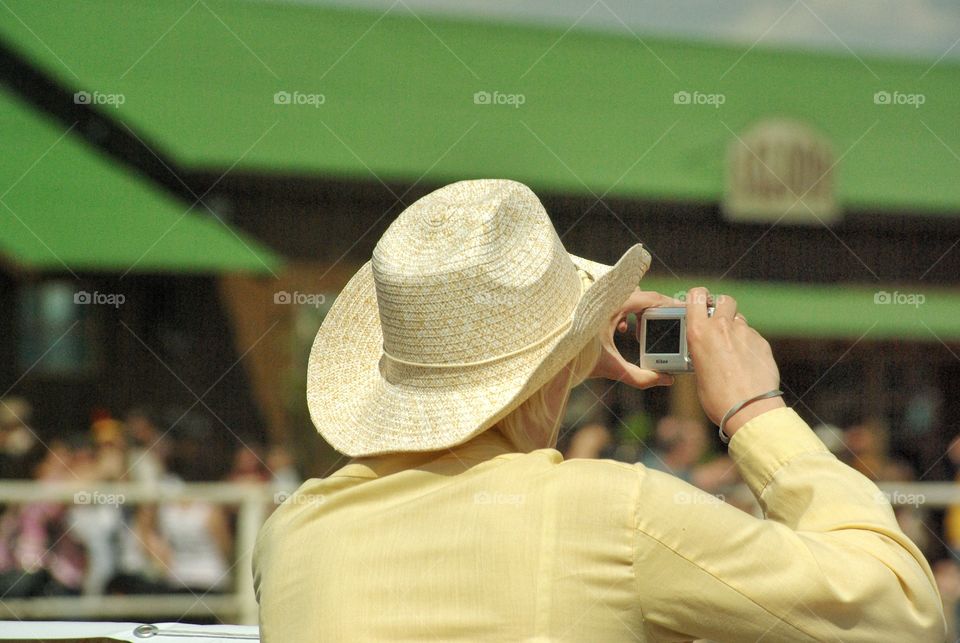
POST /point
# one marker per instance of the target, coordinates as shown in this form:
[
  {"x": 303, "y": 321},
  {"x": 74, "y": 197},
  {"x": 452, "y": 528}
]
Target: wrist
[{"x": 749, "y": 412}]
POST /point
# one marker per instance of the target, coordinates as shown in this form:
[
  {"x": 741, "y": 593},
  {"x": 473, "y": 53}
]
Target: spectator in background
[
  {"x": 678, "y": 444},
  {"x": 16, "y": 437},
  {"x": 867, "y": 451},
  {"x": 832, "y": 438},
  {"x": 282, "y": 468},
  {"x": 148, "y": 446},
  {"x": 193, "y": 543},
  {"x": 951, "y": 520},
  {"x": 588, "y": 441},
  {"x": 111, "y": 449},
  {"x": 137, "y": 571},
  {"x": 147, "y": 451},
  {"x": 248, "y": 465},
  {"x": 681, "y": 448},
  {"x": 947, "y": 573},
  {"x": 39, "y": 556},
  {"x": 189, "y": 541},
  {"x": 98, "y": 520}
]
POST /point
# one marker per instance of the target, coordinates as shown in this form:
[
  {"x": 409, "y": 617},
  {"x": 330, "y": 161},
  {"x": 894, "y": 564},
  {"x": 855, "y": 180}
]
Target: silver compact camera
[{"x": 663, "y": 339}]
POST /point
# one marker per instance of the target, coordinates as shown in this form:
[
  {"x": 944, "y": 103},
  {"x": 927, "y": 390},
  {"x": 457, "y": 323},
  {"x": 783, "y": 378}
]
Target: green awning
[
  {"x": 881, "y": 312},
  {"x": 66, "y": 207},
  {"x": 597, "y": 113}
]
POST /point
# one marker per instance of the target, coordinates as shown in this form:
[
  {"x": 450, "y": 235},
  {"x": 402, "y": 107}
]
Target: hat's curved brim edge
[{"x": 361, "y": 414}]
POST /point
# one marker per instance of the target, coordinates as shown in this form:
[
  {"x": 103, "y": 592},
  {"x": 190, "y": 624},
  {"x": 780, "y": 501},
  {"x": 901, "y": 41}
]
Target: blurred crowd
[{"x": 99, "y": 544}]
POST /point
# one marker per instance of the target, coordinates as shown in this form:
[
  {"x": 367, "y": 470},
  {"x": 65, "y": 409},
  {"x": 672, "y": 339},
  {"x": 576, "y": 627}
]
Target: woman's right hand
[
  {"x": 611, "y": 365},
  {"x": 732, "y": 361}
]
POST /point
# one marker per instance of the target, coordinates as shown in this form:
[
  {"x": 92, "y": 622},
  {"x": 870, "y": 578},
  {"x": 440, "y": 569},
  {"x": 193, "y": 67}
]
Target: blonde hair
[{"x": 531, "y": 425}]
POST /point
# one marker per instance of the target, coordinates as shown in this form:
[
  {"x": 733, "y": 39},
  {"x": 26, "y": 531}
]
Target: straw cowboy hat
[{"x": 468, "y": 306}]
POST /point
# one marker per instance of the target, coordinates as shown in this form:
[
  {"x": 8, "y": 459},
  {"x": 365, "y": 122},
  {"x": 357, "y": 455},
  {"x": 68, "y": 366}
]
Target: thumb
[{"x": 637, "y": 377}]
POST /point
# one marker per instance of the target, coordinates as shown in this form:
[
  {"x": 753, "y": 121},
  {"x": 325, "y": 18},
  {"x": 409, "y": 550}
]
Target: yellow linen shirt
[{"x": 479, "y": 543}]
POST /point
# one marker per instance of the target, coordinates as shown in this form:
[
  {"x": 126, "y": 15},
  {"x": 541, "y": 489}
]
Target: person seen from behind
[{"x": 443, "y": 369}]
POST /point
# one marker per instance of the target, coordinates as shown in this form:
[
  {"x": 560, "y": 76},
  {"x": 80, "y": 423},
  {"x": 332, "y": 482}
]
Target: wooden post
[{"x": 684, "y": 402}]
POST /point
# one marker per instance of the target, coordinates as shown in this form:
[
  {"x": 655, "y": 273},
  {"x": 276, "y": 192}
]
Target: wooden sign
[{"x": 781, "y": 171}]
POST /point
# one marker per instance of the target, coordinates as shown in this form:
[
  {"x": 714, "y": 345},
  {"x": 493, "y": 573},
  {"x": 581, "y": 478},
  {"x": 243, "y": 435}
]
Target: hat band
[{"x": 522, "y": 349}]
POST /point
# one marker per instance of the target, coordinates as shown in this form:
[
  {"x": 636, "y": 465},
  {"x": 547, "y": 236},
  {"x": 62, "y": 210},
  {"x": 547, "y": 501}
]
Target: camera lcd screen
[{"x": 663, "y": 336}]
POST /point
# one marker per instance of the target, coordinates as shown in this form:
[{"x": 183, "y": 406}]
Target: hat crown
[{"x": 469, "y": 272}]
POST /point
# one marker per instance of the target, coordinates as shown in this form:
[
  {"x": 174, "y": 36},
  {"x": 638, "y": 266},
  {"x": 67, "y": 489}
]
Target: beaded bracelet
[{"x": 739, "y": 405}]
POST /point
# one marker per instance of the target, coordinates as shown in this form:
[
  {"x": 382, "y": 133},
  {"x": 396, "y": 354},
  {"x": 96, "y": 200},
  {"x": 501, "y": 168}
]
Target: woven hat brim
[{"x": 360, "y": 413}]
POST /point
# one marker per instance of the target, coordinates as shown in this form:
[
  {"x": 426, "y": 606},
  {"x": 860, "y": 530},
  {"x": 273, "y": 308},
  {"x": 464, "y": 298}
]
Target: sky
[{"x": 924, "y": 29}]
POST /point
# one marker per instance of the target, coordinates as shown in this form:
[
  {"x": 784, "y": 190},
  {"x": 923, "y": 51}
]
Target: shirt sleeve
[{"x": 827, "y": 562}]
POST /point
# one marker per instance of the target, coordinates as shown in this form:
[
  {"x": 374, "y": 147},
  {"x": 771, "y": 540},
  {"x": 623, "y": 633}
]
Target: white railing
[
  {"x": 239, "y": 605},
  {"x": 253, "y": 501}
]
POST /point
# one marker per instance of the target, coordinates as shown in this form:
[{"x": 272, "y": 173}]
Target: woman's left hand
[{"x": 612, "y": 365}]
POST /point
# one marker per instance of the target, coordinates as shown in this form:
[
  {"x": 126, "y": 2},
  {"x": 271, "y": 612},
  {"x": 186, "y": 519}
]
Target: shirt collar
[{"x": 486, "y": 446}]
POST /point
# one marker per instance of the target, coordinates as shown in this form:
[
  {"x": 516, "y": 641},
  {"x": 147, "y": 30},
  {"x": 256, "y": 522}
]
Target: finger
[
  {"x": 640, "y": 300},
  {"x": 622, "y": 326},
  {"x": 697, "y": 306},
  {"x": 726, "y": 306},
  {"x": 739, "y": 317},
  {"x": 620, "y": 370},
  {"x": 638, "y": 377}
]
